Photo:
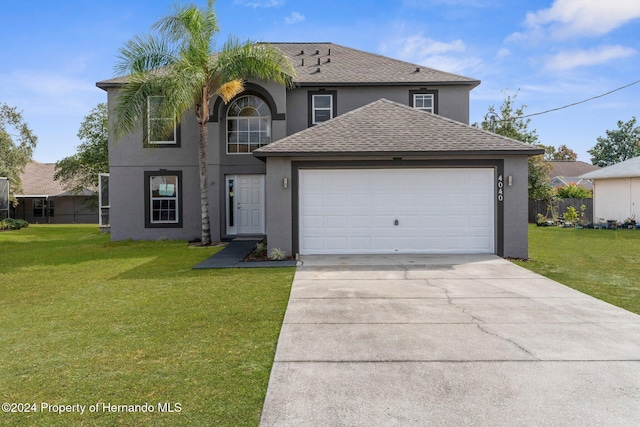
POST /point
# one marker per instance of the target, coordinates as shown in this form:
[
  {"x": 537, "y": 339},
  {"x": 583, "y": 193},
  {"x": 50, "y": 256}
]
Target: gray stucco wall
[
  {"x": 516, "y": 209},
  {"x": 129, "y": 159},
  {"x": 453, "y": 101}
]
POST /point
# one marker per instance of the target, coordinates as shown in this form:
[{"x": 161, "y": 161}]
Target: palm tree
[{"x": 180, "y": 66}]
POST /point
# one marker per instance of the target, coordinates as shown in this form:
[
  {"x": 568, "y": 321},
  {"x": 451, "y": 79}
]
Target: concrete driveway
[{"x": 449, "y": 341}]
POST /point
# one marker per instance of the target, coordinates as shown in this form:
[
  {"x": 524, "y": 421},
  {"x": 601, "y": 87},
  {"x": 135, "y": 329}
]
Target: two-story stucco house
[{"x": 367, "y": 154}]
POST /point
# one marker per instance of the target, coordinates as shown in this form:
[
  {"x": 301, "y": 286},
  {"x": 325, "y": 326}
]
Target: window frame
[
  {"x": 148, "y": 142},
  {"x": 312, "y": 109},
  {"x": 46, "y": 208},
  {"x": 149, "y": 198},
  {"x": 248, "y": 144},
  {"x": 424, "y": 91}
]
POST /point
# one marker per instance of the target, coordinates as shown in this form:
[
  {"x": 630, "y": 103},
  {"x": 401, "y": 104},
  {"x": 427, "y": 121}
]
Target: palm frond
[
  {"x": 254, "y": 60},
  {"x": 230, "y": 89},
  {"x": 144, "y": 53}
]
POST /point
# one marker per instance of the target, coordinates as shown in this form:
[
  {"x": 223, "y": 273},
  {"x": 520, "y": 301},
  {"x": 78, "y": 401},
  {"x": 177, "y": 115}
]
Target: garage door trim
[{"x": 296, "y": 166}]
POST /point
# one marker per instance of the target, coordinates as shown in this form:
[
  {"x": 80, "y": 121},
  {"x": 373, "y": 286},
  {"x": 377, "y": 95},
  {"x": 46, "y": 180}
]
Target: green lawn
[
  {"x": 85, "y": 321},
  {"x": 601, "y": 263}
]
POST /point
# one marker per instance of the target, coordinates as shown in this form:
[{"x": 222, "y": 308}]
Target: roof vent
[
  {"x": 302, "y": 52},
  {"x": 318, "y": 61},
  {"x": 303, "y": 62},
  {"x": 328, "y": 60},
  {"x": 318, "y": 70},
  {"x": 417, "y": 69},
  {"x": 329, "y": 51},
  {"x": 317, "y": 52}
]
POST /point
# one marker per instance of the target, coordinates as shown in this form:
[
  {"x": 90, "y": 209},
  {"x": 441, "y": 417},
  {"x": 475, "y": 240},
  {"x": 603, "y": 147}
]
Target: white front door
[{"x": 245, "y": 204}]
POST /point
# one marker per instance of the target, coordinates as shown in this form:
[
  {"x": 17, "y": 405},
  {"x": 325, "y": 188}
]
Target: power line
[{"x": 580, "y": 102}]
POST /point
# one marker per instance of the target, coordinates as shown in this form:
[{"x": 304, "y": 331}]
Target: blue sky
[{"x": 556, "y": 52}]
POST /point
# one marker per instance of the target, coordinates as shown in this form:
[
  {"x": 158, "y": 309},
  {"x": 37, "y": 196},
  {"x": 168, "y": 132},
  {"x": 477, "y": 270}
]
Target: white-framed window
[
  {"x": 322, "y": 108},
  {"x": 248, "y": 124},
  {"x": 161, "y": 130},
  {"x": 164, "y": 199},
  {"x": 424, "y": 101}
]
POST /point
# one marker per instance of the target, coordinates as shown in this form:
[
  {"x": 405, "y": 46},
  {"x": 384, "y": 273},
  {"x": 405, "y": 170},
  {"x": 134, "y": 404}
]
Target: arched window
[{"x": 248, "y": 124}]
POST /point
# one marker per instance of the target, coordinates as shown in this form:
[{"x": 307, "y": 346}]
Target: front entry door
[{"x": 245, "y": 204}]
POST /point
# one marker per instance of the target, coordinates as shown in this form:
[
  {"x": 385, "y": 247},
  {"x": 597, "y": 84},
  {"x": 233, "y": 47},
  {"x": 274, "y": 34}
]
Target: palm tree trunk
[{"x": 204, "y": 188}]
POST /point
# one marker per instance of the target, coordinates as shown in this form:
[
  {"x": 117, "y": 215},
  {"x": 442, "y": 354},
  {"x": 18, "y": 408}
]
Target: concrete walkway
[{"x": 449, "y": 341}]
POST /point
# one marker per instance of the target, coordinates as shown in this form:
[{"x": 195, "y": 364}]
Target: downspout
[
  {"x": 46, "y": 206},
  {"x": 74, "y": 208}
]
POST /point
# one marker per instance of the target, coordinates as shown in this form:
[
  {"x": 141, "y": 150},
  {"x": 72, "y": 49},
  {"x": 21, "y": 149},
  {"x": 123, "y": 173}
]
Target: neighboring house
[
  {"x": 45, "y": 200},
  {"x": 565, "y": 172},
  {"x": 616, "y": 190},
  {"x": 367, "y": 154}
]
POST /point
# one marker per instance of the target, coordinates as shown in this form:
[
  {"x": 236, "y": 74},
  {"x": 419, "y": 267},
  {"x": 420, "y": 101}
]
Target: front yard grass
[
  {"x": 601, "y": 263},
  {"x": 87, "y": 322}
]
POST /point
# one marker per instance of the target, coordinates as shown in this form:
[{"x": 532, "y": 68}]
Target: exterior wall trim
[
  {"x": 250, "y": 89},
  {"x": 147, "y": 199},
  {"x": 496, "y": 164}
]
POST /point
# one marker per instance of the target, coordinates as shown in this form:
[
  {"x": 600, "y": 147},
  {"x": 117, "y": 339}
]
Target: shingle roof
[
  {"x": 340, "y": 65},
  {"x": 627, "y": 169},
  {"x": 37, "y": 180},
  {"x": 570, "y": 168},
  {"x": 333, "y": 64},
  {"x": 384, "y": 127}
]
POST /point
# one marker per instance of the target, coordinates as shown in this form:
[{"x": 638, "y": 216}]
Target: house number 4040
[{"x": 500, "y": 188}]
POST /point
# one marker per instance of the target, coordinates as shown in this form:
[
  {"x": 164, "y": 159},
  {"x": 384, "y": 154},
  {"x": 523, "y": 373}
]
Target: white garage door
[{"x": 381, "y": 211}]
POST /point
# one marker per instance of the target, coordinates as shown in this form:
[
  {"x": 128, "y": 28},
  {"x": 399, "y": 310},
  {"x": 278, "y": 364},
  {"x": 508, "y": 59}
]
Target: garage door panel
[{"x": 438, "y": 211}]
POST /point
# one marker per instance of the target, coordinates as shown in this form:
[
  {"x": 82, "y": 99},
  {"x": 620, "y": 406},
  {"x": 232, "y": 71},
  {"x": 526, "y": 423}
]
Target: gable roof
[
  {"x": 383, "y": 127},
  {"x": 566, "y": 168},
  {"x": 628, "y": 169},
  {"x": 339, "y": 66},
  {"x": 37, "y": 181}
]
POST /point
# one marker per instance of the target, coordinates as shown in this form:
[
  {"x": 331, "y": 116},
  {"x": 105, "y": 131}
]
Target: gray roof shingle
[
  {"x": 384, "y": 127},
  {"x": 567, "y": 168},
  {"x": 38, "y": 180},
  {"x": 333, "y": 64},
  {"x": 339, "y": 65},
  {"x": 628, "y": 169}
]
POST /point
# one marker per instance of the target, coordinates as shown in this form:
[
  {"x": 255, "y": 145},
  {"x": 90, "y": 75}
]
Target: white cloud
[
  {"x": 451, "y": 56},
  {"x": 503, "y": 53},
  {"x": 567, "y": 18},
  {"x": 294, "y": 18},
  {"x": 260, "y": 3},
  {"x": 579, "y": 58}
]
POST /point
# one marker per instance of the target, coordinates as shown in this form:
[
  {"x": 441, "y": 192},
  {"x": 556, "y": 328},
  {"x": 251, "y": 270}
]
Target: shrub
[
  {"x": 571, "y": 214},
  {"x": 277, "y": 254},
  {"x": 13, "y": 224},
  {"x": 574, "y": 191}
]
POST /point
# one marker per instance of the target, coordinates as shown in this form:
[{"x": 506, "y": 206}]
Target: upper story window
[
  {"x": 425, "y": 100},
  {"x": 160, "y": 130},
  {"x": 322, "y": 106},
  {"x": 248, "y": 124}
]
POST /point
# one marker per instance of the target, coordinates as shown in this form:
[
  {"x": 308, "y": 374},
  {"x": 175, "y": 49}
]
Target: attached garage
[
  {"x": 407, "y": 211},
  {"x": 388, "y": 179}
]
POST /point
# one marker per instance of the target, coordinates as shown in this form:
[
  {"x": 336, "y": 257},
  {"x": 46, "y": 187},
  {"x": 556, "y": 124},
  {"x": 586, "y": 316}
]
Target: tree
[
  {"x": 563, "y": 153},
  {"x": 619, "y": 145},
  {"x": 81, "y": 170},
  {"x": 509, "y": 122},
  {"x": 14, "y": 155},
  {"x": 181, "y": 66}
]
